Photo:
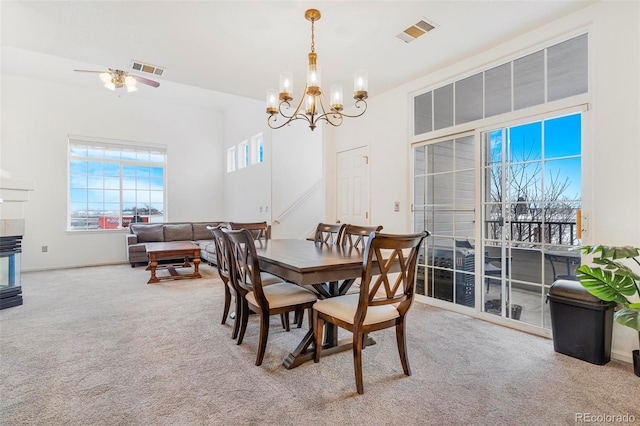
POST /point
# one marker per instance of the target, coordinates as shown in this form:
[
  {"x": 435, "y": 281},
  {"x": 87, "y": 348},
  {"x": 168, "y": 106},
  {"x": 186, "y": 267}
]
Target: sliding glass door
[
  {"x": 444, "y": 204},
  {"x": 531, "y": 188},
  {"x": 499, "y": 252}
]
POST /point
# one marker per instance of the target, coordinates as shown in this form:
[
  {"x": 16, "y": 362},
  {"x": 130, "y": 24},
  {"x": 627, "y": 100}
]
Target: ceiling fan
[{"x": 117, "y": 79}]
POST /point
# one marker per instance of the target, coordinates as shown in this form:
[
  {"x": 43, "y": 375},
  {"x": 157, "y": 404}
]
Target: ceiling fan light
[
  {"x": 130, "y": 81},
  {"x": 110, "y": 86},
  {"x": 105, "y": 77},
  {"x": 131, "y": 88}
]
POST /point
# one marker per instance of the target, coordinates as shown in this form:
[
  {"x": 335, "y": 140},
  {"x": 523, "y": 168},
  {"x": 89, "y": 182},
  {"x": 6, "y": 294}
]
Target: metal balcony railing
[{"x": 536, "y": 231}]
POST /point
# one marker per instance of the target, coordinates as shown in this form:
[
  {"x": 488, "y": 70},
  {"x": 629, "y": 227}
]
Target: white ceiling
[{"x": 240, "y": 47}]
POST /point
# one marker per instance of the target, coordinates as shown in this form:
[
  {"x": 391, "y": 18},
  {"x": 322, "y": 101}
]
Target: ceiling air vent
[
  {"x": 147, "y": 68},
  {"x": 416, "y": 30}
]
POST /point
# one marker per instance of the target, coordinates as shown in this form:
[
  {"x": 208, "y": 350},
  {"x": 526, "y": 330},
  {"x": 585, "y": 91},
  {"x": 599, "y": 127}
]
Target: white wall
[
  {"x": 292, "y": 165},
  {"x": 297, "y": 170},
  {"x": 247, "y": 192},
  {"x": 38, "y": 116},
  {"x": 384, "y": 129},
  {"x": 611, "y": 151}
]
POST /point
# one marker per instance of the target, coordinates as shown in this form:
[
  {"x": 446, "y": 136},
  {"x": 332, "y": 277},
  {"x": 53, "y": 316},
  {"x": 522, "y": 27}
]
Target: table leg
[
  {"x": 153, "y": 263},
  {"x": 196, "y": 265},
  {"x": 305, "y": 352}
]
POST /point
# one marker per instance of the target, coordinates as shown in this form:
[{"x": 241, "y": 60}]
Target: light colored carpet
[{"x": 98, "y": 346}]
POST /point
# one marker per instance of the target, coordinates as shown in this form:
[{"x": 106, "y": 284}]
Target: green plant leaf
[
  {"x": 629, "y": 318},
  {"x": 606, "y": 285}
]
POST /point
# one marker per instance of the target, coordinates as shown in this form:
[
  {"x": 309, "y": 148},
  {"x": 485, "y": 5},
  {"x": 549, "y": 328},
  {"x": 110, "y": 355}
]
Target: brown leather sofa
[{"x": 142, "y": 233}]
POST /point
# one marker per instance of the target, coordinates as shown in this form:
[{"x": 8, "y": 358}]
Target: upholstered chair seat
[
  {"x": 268, "y": 279},
  {"x": 283, "y": 294},
  {"x": 345, "y": 307}
]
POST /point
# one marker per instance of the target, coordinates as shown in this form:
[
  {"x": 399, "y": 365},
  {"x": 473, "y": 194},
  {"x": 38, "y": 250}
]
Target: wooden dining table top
[{"x": 307, "y": 262}]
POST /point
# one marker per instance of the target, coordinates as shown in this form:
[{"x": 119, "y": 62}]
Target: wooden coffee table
[{"x": 173, "y": 250}]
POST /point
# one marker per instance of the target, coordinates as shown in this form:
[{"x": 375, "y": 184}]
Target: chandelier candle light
[{"x": 314, "y": 107}]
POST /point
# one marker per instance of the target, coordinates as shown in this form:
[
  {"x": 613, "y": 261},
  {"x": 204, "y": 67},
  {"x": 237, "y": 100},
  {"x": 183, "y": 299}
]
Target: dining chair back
[
  {"x": 329, "y": 233},
  {"x": 357, "y": 236},
  {"x": 225, "y": 269},
  {"x": 259, "y": 230},
  {"x": 386, "y": 294},
  {"x": 265, "y": 300}
]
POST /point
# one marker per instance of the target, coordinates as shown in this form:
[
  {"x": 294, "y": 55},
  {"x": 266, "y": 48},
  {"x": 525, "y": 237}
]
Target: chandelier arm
[
  {"x": 326, "y": 116},
  {"x": 289, "y": 118},
  {"x": 357, "y": 105}
]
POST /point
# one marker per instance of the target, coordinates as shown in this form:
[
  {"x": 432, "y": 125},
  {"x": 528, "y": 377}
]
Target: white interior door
[{"x": 352, "y": 182}]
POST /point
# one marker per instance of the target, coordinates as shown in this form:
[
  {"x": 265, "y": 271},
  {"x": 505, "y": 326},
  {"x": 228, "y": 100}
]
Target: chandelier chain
[{"x": 313, "y": 45}]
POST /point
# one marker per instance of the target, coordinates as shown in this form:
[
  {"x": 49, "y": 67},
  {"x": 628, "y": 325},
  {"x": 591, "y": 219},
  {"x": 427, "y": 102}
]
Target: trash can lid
[{"x": 569, "y": 289}]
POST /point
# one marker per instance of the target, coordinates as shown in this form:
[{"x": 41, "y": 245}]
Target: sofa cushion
[
  {"x": 148, "y": 233},
  {"x": 200, "y": 231},
  {"x": 178, "y": 232}
]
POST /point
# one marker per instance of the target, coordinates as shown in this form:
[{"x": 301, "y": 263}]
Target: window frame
[
  {"x": 232, "y": 162},
  {"x": 118, "y": 154},
  {"x": 244, "y": 155},
  {"x": 257, "y": 149}
]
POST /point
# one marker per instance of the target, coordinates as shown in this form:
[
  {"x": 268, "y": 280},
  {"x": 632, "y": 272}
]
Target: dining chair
[
  {"x": 357, "y": 236},
  {"x": 275, "y": 299},
  {"x": 225, "y": 269},
  {"x": 380, "y": 304},
  {"x": 259, "y": 230},
  {"x": 328, "y": 233}
]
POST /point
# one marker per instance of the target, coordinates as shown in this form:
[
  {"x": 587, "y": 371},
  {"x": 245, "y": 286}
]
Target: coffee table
[{"x": 173, "y": 250}]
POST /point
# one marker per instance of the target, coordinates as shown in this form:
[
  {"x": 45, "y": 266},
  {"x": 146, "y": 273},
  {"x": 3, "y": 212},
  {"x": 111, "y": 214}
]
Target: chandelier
[{"x": 312, "y": 106}]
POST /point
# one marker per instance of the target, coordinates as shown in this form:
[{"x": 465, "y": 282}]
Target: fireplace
[{"x": 10, "y": 288}]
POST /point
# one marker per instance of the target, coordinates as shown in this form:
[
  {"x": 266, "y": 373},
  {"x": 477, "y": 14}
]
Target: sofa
[{"x": 142, "y": 233}]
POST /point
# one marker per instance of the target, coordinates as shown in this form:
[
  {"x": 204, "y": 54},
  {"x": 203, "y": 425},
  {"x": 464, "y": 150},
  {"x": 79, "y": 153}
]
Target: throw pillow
[
  {"x": 148, "y": 233},
  {"x": 178, "y": 232},
  {"x": 200, "y": 231}
]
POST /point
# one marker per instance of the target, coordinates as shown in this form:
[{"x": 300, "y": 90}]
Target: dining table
[{"x": 330, "y": 269}]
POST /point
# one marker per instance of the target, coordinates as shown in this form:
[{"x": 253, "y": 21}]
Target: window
[
  {"x": 244, "y": 155},
  {"x": 553, "y": 73},
  {"x": 231, "y": 159},
  {"x": 112, "y": 185},
  {"x": 257, "y": 149}
]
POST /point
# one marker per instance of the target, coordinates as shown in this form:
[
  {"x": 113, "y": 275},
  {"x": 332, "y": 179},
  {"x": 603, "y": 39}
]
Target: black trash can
[{"x": 581, "y": 323}]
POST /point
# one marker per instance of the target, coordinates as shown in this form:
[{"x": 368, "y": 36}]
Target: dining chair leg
[
  {"x": 299, "y": 317},
  {"x": 357, "y": 360},
  {"x": 264, "y": 334},
  {"x": 402, "y": 347},
  {"x": 318, "y": 323},
  {"x": 284, "y": 319},
  {"x": 227, "y": 303},
  {"x": 244, "y": 319},
  {"x": 238, "y": 317}
]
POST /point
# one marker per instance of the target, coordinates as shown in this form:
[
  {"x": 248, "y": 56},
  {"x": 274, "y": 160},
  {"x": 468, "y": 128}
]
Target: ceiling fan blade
[
  {"x": 90, "y": 71},
  {"x": 145, "y": 80}
]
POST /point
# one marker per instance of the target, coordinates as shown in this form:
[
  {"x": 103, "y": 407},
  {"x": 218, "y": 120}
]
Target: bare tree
[{"x": 535, "y": 212}]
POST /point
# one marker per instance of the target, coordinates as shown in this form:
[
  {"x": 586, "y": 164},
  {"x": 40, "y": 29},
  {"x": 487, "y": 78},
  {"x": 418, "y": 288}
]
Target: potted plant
[{"x": 615, "y": 281}]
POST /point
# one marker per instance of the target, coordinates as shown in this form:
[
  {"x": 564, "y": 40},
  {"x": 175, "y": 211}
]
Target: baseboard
[
  {"x": 622, "y": 356},
  {"x": 56, "y": 268}
]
